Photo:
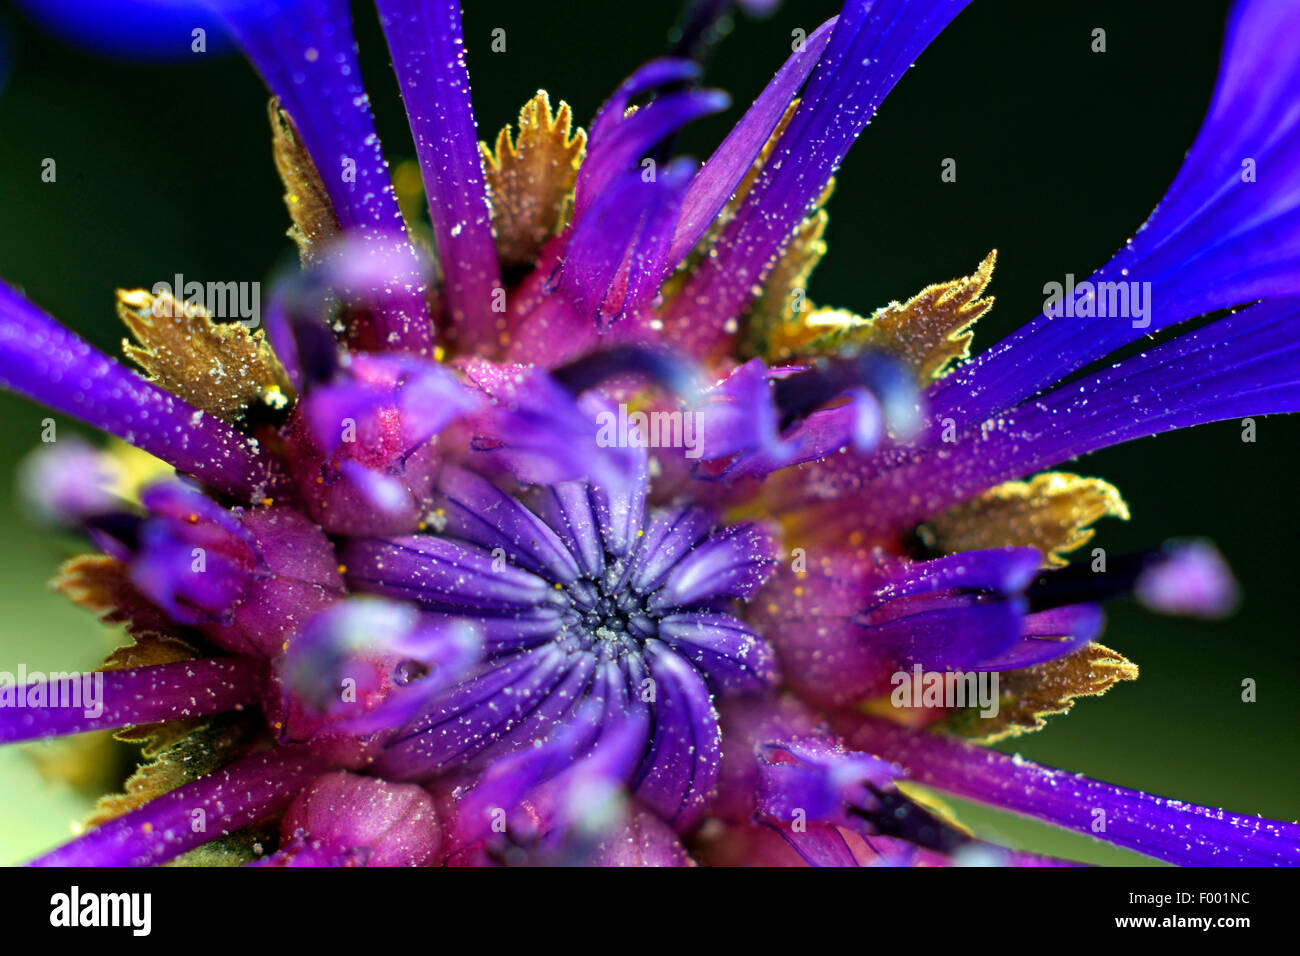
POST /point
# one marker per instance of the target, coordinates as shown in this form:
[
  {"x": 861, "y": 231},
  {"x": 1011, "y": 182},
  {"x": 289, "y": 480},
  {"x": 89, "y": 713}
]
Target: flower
[{"x": 601, "y": 545}]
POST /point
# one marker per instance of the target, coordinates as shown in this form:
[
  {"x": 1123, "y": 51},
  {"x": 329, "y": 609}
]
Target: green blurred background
[{"x": 1060, "y": 153}]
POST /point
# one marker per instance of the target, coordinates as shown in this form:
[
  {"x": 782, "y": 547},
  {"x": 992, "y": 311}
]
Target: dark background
[{"x": 1061, "y": 153}]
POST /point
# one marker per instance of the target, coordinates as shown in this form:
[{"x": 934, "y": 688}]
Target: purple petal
[
  {"x": 539, "y": 433},
  {"x": 305, "y": 51},
  {"x": 68, "y": 481},
  {"x": 731, "y": 655},
  {"x": 508, "y": 633},
  {"x": 617, "y": 143},
  {"x": 1048, "y": 635},
  {"x": 48, "y": 364},
  {"x": 560, "y": 705},
  {"x": 1170, "y": 830},
  {"x": 426, "y": 396},
  {"x": 999, "y": 570},
  {"x": 481, "y": 513},
  {"x": 721, "y": 175},
  {"x": 671, "y": 536},
  {"x": 1218, "y": 239},
  {"x": 396, "y": 658},
  {"x": 596, "y": 748},
  {"x": 362, "y": 454},
  {"x": 739, "y": 415},
  {"x": 567, "y": 508},
  {"x": 819, "y": 845},
  {"x": 474, "y": 715},
  {"x": 254, "y": 789},
  {"x": 429, "y": 56},
  {"x": 679, "y": 773},
  {"x": 157, "y": 30},
  {"x": 620, "y": 509},
  {"x": 191, "y": 556},
  {"x": 142, "y": 695},
  {"x": 818, "y": 777},
  {"x": 441, "y": 575},
  {"x": 852, "y": 620},
  {"x": 870, "y": 48},
  {"x": 733, "y": 563},
  {"x": 1242, "y": 365},
  {"x": 787, "y": 423},
  {"x": 616, "y": 256},
  {"x": 957, "y": 634}
]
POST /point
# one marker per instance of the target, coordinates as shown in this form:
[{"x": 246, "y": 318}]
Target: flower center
[{"x": 608, "y": 614}]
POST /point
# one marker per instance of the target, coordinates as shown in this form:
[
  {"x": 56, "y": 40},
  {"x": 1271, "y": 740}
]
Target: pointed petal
[
  {"x": 249, "y": 791},
  {"x": 107, "y": 700},
  {"x": 1223, "y": 235},
  {"x": 428, "y": 51},
  {"x": 304, "y": 50},
  {"x": 46, "y": 363},
  {"x": 871, "y": 47},
  {"x": 1169, "y": 830}
]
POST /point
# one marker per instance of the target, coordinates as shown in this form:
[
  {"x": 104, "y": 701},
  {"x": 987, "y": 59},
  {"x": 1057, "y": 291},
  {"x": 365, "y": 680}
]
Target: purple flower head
[{"x": 597, "y": 543}]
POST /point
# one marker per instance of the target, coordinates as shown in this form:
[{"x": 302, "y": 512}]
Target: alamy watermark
[
  {"x": 951, "y": 689},
  {"x": 675, "y": 429},
  {"x": 71, "y": 690},
  {"x": 1124, "y": 300},
  {"x": 133, "y": 911},
  {"x": 221, "y": 300}
]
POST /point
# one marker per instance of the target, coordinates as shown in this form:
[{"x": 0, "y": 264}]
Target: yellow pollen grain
[
  {"x": 343, "y": 569},
  {"x": 268, "y": 502}
]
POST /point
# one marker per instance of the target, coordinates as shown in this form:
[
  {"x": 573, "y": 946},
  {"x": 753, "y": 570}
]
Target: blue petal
[
  {"x": 305, "y": 52},
  {"x": 871, "y": 47},
  {"x": 1218, "y": 239},
  {"x": 133, "y": 29},
  {"x": 429, "y": 57},
  {"x": 45, "y": 362}
]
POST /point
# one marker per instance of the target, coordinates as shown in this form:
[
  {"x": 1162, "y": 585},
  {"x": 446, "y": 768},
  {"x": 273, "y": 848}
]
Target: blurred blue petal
[{"x": 131, "y": 29}]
